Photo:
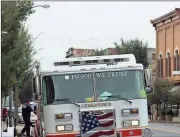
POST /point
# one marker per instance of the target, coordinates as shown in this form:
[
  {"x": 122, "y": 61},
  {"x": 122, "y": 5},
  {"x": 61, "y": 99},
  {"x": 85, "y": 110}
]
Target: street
[
  {"x": 159, "y": 129},
  {"x": 165, "y": 129}
]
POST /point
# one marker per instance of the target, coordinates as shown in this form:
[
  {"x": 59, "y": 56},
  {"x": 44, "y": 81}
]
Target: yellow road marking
[{"x": 166, "y": 130}]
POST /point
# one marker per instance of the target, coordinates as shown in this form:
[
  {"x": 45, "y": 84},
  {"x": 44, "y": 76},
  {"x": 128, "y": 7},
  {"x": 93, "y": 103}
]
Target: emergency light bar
[
  {"x": 91, "y": 62},
  {"x": 109, "y": 60}
]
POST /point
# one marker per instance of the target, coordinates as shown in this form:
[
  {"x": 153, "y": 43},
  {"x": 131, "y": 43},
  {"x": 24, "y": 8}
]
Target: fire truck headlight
[
  {"x": 64, "y": 128},
  {"x": 128, "y": 112},
  {"x": 64, "y": 116},
  {"x": 131, "y": 123},
  {"x": 126, "y": 123},
  {"x": 60, "y": 128},
  {"x": 135, "y": 122}
]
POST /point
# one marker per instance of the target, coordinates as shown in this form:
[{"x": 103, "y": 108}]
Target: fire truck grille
[{"x": 98, "y": 123}]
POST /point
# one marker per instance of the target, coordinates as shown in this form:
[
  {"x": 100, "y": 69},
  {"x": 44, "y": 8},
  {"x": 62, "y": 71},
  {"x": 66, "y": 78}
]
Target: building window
[
  {"x": 154, "y": 56},
  {"x": 160, "y": 65},
  {"x": 176, "y": 61},
  {"x": 168, "y": 65}
]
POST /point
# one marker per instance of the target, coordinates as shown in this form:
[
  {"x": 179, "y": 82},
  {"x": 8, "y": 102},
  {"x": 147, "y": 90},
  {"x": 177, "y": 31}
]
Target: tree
[
  {"x": 99, "y": 52},
  {"x": 161, "y": 95},
  {"x": 23, "y": 54},
  {"x": 175, "y": 100},
  {"x": 13, "y": 14},
  {"x": 133, "y": 46},
  {"x": 16, "y": 47},
  {"x": 26, "y": 91}
]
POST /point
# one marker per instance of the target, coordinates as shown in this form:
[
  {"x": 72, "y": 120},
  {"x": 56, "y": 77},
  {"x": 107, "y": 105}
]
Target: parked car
[
  {"x": 5, "y": 104},
  {"x": 33, "y": 115}
]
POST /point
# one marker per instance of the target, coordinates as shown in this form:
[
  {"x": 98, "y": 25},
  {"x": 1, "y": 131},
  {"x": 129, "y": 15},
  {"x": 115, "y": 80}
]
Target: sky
[{"x": 91, "y": 25}]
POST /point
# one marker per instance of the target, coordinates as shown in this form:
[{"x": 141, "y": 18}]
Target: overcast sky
[{"x": 92, "y": 25}]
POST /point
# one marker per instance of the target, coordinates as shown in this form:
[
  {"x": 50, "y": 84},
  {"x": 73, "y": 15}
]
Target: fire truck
[{"x": 94, "y": 96}]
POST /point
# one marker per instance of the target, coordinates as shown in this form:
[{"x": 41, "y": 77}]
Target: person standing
[{"x": 26, "y": 114}]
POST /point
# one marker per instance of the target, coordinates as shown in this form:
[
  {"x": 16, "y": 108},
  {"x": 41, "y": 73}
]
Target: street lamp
[{"x": 46, "y": 6}]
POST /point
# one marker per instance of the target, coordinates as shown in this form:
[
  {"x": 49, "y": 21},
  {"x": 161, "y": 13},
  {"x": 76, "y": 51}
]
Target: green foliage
[
  {"x": 99, "y": 52},
  {"x": 26, "y": 90},
  {"x": 161, "y": 92},
  {"x": 16, "y": 46},
  {"x": 175, "y": 97},
  {"x": 133, "y": 46},
  {"x": 163, "y": 97},
  {"x": 12, "y": 15}
]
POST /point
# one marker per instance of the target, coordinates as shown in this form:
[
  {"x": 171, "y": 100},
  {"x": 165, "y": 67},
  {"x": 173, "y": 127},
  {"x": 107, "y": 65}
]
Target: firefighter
[{"x": 26, "y": 113}]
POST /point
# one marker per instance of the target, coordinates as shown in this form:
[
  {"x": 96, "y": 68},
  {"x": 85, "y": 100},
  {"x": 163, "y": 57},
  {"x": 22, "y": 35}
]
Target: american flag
[{"x": 97, "y": 125}]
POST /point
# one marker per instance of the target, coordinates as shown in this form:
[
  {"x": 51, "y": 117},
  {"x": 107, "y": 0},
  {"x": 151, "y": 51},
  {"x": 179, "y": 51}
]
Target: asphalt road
[
  {"x": 165, "y": 129},
  {"x": 159, "y": 129}
]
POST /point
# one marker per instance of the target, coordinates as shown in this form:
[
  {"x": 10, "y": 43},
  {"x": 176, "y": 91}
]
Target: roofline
[
  {"x": 166, "y": 16},
  {"x": 82, "y": 69},
  {"x": 131, "y": 56}
]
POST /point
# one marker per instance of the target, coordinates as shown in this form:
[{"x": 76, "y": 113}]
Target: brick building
[
  {"x": 73, "y": 52},
  {"x": 168, "y": 45},
  {"x": 110, "y": 51},
  {"x": 150, "y": 52}
]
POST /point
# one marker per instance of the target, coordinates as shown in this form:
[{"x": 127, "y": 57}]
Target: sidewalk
[
  {"x": 19, "y": 127},
  {"x": 170, "y": 122}
]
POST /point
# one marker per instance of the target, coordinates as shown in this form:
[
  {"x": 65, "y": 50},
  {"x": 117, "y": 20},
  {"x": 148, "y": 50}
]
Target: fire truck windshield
[
  {"x": 79, "y": 87},
  {"x": 129, "y": 84}
]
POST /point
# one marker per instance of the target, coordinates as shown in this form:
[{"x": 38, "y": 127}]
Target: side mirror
[
  {"x": 149, "y": 81},
  {"x": 150, "y": 90},
  {"x": 148, "y": 77},
  {"x": 36, "y": 85}
]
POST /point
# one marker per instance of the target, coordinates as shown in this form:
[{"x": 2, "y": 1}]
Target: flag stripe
[
  {"x": 97, "y": 125},
  {"x": 100, "y": 133},
  {"x": 110, "y": 123},
  {"x": 105, "y": 116}
]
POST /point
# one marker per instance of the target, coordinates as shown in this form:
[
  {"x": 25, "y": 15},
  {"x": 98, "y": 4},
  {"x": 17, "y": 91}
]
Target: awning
[
  {"x": 176, "y": 72},
  {"x": 175, "y": 90}
]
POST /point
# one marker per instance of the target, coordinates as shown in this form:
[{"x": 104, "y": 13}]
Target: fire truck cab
[{"x": 93, "y": 97}]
